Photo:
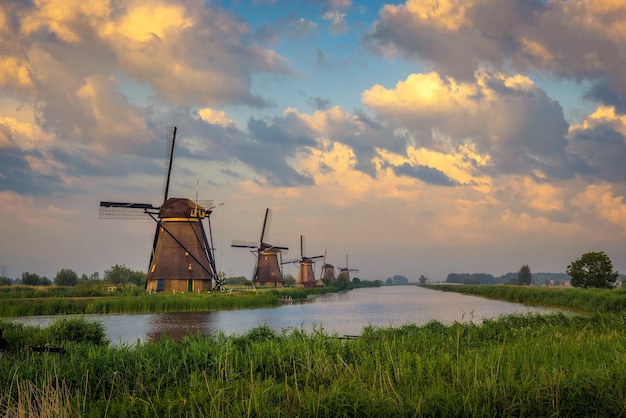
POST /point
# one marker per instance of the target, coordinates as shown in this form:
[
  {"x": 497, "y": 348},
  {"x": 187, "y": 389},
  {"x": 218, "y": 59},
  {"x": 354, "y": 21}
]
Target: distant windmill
[
  {"x": 267, "y": 269},
  {"x": 346, "y": 270},
  {"x": 306, "y": 277},
  {"x": 181, "y": 259},
  {"x": 328, "y": 270}
]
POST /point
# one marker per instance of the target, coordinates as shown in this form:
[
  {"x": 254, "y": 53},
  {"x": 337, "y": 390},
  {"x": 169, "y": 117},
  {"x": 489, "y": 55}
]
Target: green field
[{"x": 517, "y": 365}]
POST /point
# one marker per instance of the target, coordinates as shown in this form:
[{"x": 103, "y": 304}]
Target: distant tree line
[
  {"x": 117, "y": 275},
  {"x": 397, "y": 279},
  {"x": 593, "y": 269}
]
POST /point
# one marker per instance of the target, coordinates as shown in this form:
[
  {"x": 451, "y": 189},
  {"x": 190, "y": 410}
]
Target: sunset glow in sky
[{"x": 419, "y": 137}]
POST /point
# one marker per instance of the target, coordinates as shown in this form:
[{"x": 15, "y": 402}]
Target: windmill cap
[{"x": 181, "y": 208}]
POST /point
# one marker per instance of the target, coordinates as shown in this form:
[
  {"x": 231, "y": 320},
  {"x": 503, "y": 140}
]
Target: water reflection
[
  {"x": 179, "y": 325},
  {"x": 338, "y": 313}
]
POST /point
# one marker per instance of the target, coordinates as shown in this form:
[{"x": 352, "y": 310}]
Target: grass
[
  {"x": 519, "y": 365},
  {"x": 577, "y": 299},
  {"x": 152, "y": 303}
]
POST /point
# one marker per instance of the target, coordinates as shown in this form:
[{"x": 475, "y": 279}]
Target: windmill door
[{"x": 160, "y": 285}]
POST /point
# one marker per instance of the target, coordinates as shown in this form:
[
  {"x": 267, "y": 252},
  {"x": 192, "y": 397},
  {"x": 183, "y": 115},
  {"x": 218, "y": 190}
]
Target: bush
[{"x": 78, "y": 330}]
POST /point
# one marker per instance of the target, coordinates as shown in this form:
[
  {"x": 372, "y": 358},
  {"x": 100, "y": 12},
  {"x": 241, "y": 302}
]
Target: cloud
[
  {"x": 506, "y": 117},
  {"x": 573, "y": 39},
  {"x": 601, "y": 141},
  {"x": 600, "y": 199},
  {"x": 426, "y": 174}
]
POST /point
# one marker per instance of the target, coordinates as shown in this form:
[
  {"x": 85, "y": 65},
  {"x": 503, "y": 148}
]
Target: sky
[{"x": 419, "y": 137}]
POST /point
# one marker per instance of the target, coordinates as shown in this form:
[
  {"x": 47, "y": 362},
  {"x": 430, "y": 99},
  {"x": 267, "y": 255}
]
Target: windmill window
[
  {"x": 189, "y": 266},
  {"x": 153, "y": 268}
]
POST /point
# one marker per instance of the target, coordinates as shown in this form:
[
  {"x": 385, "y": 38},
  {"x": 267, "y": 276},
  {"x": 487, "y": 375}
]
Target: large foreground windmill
[
  {"x": 267, "y": 269},
  {"x": 306, "y": 277},
  {"x": 181, "y": 259},
  {"x": 346, "y": 270}
]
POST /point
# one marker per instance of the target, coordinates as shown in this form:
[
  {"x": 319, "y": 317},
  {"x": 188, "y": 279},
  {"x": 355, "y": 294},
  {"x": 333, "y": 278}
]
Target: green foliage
[
  {"x": 289, "y": 280},
  {"x": 5, "y": 281},
  {"x": 517, "y": 365},
  {"x": 589, "y": 300},
  {"x": 593, "y": 269},
  {"x": 120, "y": 274},
  {"x": 66, "y": 277},
  {"x": 78, "y": 330},
  {"x": 397, "y": 279},
  {"x": 524, "y": 276},
  {"x": 342, "y": 282},
  {"x": 237, "y": 281},
  {"x": 31, "y": 279}
]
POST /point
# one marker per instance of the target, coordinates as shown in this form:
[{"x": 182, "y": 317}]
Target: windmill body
[
  {"x": 306, "y": 277},
  {"x": 267, "y": 270},
  {"x": 328, "y": 272},
  {"x": 182, "y": 259},
  {"x": 346, "y": 270}
]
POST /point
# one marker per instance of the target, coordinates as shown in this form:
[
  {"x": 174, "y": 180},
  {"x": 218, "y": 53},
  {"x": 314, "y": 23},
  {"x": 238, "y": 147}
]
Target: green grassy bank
[
  {"x": 577, "y": 299},
  {"x": 55, "y": 302},
  {"x": 520, "y": 365}
]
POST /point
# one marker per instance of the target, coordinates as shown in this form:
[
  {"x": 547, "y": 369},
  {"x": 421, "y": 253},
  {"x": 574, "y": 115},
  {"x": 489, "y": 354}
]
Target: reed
[
  {"x": 577, "y": 299},
  {"x": 516, "y": 365},
  {"x": 142, "y": 303}
]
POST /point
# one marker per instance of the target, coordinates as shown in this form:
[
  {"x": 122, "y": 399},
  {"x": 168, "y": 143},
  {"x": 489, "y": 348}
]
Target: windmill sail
[
  {"x": 346, "y": 270},
  {"x": 306, "y": 277},
  {"x": 267, "y": 268},
  {"x": 181, "y": 260}
]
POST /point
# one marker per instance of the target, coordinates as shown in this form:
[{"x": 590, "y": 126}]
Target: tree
[
  {"x": 593, "y": 269},
  {"x": 5, "y": 281},
  {"x": 524, "y": 276},
  {"x": 123, "y": 275},
  {"x": 289, "y": 280},
  {"x": 423, "y": 279},
  {"x": 66, "y": 277},
  {"x": 31, "y": 279}
]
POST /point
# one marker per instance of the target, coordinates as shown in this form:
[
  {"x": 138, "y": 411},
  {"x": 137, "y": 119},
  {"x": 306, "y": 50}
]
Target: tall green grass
[
  {"x": 142, "y": 303},
  {"x": 518, "y": 365},
  {"x": 578, "y": 299}
]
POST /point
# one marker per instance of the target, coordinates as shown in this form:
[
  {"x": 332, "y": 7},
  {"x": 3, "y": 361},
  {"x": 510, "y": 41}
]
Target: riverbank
[
  {"x": 66, "y": 302},
  {"x": 571, "y": 298},
  {"x": 518, "y": 365}
]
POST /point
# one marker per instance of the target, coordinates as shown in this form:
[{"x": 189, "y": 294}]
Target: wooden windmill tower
[
  {"x": 267, "y": 269},
  {"x": 346, "y": 270},
  {"x": 306, "y": 277},
  {"x": 328, "y": 270},
  {"x": 181, "y": 259}
]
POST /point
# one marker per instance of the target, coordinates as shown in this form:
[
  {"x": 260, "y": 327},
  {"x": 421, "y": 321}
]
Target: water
[{"x": 338, "y": 313}]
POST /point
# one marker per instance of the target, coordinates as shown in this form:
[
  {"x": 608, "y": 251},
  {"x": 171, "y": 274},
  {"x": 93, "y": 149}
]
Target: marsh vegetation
[{"x": 516, "y": 365}]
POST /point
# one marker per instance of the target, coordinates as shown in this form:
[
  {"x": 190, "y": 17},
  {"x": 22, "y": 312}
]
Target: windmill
[
  {"x": 346, "y": 270},
  {"x": 267, "y": 269},
  {"x": 181, "y": 259},
  {"x": 328, "y": 270},
  {"x": 306, "y": 277}
]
